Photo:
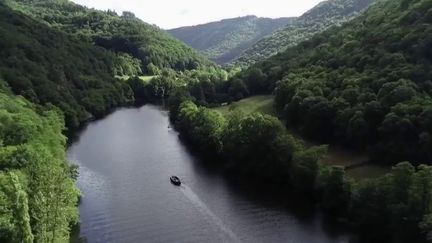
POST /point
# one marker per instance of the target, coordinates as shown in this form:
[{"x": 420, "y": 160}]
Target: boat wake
[{"x": 208, "y": 214}]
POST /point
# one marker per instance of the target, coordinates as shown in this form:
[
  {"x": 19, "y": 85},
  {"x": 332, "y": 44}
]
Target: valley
[{"x": 312, "y": 128}]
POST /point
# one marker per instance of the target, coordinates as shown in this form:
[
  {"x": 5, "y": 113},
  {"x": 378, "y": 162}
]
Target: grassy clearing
[
  {"x": 145, "y": 79},
  {"x": 338, "y": 155},
  {"x": 368, "y": 171},
  {"x": 355, "y": 161},
  {"x": 259, "y": 103}
]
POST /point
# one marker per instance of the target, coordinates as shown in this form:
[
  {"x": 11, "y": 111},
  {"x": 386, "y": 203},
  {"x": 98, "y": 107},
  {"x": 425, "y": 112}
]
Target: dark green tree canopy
[{"x": 365, "y": 84}]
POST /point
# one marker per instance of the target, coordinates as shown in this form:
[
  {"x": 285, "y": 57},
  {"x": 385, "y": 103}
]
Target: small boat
[{"x": 175, "y": 180}]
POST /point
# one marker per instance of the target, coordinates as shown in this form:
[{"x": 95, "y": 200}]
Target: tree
[
  {"x": 336, "y": 190},
  {"x": 420, "y": 199},
  {"x": 202, "y": 126},
  {"x": 153, "y": 69},
  {"x": 256, "y": 81},
  {"x": 19, "y": 219},
  {"x": 305, "y": 168},
  {"x": 259, "y": 145}
]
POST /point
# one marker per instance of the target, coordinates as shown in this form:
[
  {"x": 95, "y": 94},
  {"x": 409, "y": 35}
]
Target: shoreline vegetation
[
  {"x": 38, "y": 196},
  {"x": 364, "y": 85},
  {"x": 258, "y": 145}
]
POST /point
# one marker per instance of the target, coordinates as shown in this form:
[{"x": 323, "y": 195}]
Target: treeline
[
  {"x": 323, "y": 16},
  {"x": 207, "y": 85},
  {"x": 38, "y": 196},
  {"x": 395, "y": 206},
  {"x": 365, "y": 85},
  {"x": 123, "y": 33}
]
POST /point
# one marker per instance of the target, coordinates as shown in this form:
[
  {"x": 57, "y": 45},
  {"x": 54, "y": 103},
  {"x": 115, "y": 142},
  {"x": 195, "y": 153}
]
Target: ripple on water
[{"x": 125, "y": 162}]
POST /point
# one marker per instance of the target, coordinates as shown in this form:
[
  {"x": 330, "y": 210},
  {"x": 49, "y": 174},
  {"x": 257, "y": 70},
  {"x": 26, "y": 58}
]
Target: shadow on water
[
  {"x": 235, "y": 207},
  {"x": 73, "y": 135},
  {"x": 75, "y": 235},
  {"x": 263, "y": 194}
]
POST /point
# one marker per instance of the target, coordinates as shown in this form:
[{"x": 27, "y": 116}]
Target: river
[{"x": 125, "y": 162}]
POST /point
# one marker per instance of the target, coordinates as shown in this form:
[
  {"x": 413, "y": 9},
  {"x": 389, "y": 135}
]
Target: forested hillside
[
  {"x": 366, "y": 84},
  {"x": 59, "y": 60},
  {"x": 47, "y": 66},
  {"x": 324, "y": 15},
  {"x": 38, "y": 196},
  {"x": 225, "y": 40},
  {"x": 124, "y": 33}
]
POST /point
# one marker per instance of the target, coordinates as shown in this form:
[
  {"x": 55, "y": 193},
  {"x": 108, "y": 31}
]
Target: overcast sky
[{"x": 175, "y": 13}]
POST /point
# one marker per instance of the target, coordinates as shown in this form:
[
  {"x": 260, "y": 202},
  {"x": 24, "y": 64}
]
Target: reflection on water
[{"x": 125, "y": 163}]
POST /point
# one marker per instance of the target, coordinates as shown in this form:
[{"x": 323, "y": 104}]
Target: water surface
[{"x": 125, "y": 162}]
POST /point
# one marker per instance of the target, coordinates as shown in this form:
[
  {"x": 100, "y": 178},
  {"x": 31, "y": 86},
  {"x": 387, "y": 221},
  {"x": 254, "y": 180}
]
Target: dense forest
[
  {"x": 47, "y": 66},
  {"x": 38, "y": 196},
  {"x": 395, "y": 206},
  {"x": 365, "y": 85},
  {"x": 53, "y": 76},
  {"x": 49, "y": 55},
  {"x": 124, "y": 33},
  {"x": 225, "y": 40},
  {"x": 326, "y": 14}
]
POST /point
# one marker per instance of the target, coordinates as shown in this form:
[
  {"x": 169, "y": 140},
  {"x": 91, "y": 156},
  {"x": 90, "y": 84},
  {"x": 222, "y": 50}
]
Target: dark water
[{"x": 125, "y": 163}]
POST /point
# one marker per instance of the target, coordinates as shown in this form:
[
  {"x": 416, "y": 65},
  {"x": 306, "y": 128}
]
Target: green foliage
[
  {"x": 202, "y": 126},
  {"x": 225, "y": 40},
  {"x": 124, "y": 34},
  {"x": 152, "y": 69},
  {"x": 397, "y": 205},
  {"x": 336, "y": 190},
  {"x": 305, "y": 168},
  {"x": 258, "y": 103},
  {"x": 259, "y": 145},
  {"x": 206, "y": 84},
  {"x": 47, "y": 66},
  {"x": 365, "y": 84},
  {"x": 321, "y": 17},
  {"x": 125, "y": 65},
  {"x": 255, "y": 144},
  {"x": 162, "y": 85},
  {"x": 400, "y": 202},
  {"x": 139, "y": 88},
  {"x": 15, "y": 224},
  {"x": 37, "y": 193}
]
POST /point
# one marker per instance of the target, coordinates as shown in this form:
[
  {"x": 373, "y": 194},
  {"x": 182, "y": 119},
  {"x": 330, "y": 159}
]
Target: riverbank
[
  {"x": 259, "y": 146},
  {"x": 127, "y": 195}
]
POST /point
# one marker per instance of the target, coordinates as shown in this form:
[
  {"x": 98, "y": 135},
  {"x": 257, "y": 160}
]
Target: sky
[{"x": 169, "y": 14}]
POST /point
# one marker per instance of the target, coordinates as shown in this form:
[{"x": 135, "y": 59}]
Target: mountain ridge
[
  {"x": 324, "y": 15},
  {"x": 223, "y": 40}
]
